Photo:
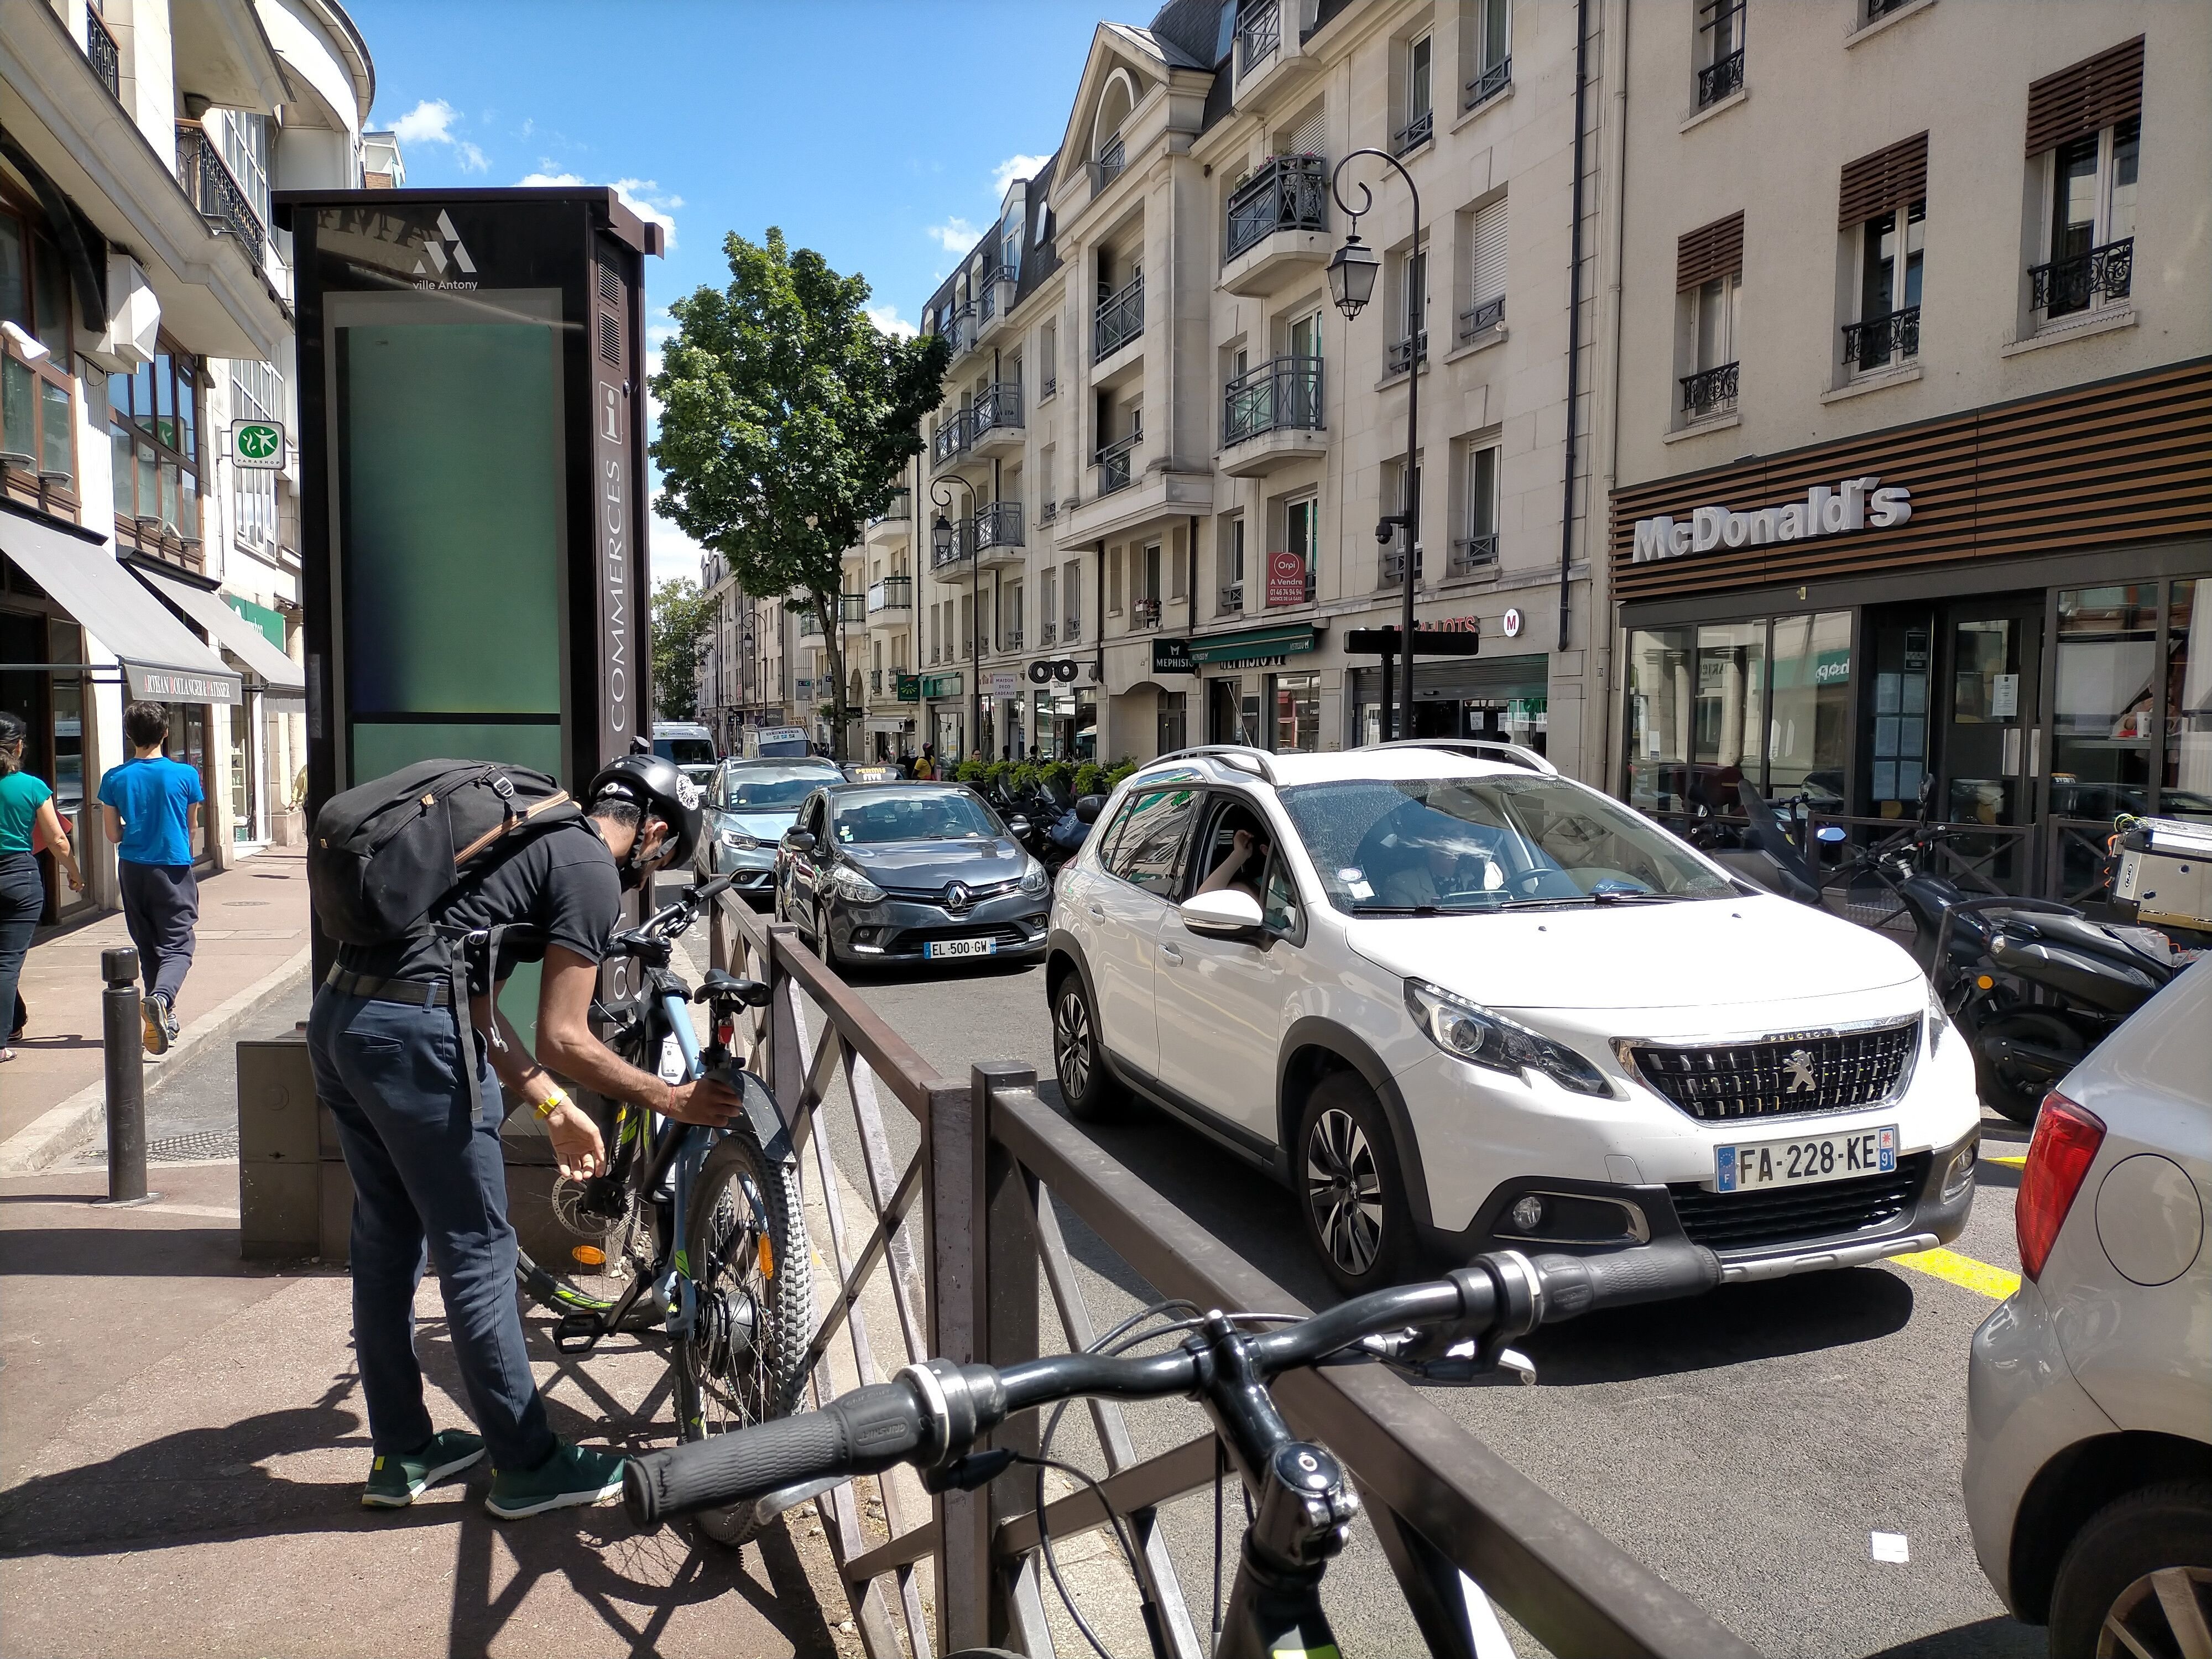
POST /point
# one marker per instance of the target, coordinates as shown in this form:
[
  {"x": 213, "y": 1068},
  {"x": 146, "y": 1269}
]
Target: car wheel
[
  {"x": 1352, "y": 1193},
  {"x": 1091, "y": 1094},
  {"x": 823, "y": 947},
  {"x": 2137, "y": 1578}
]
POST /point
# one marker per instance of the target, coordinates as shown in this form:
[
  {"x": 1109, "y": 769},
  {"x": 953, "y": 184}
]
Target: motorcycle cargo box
[{"x": 2166, "y": 872}]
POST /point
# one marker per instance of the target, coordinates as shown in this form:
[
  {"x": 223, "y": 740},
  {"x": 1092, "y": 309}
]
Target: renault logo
[
  {"x": 956, "y": 897},
  {"x": 1798, "y": 1062}
]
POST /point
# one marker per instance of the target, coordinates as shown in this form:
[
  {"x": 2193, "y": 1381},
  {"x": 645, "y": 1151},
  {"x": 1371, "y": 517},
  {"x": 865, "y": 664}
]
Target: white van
[
  {"x": 776, "y": 743},
  {"x": 691, "y": 747}
]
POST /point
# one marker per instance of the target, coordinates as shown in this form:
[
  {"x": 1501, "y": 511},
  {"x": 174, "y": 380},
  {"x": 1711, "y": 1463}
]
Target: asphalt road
[{"x": 1745, "y": 1445}]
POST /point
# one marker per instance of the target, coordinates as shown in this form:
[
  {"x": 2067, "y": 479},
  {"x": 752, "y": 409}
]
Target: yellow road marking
[
  {"x": 1999, "y": 1157},
  {"x": 1992, "y": 1282}
]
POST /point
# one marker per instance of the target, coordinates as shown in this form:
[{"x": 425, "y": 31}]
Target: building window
[
  {"x": 1411, "y": 344},
  {"x": 38, "y": 427},
  {"x": 1048, "y": 361},
  {"x": 154, "y": 422},
  {"x": 257, "y": 394},
  {"x": 1482, "y": 257},
  {"x": 1073, "y": 589},
  {"x": 1231, "y": 544},
  {"x": 1475, "y": 553},
  {"x": 1719, "y": 49},
  {"x": 1420, "y": 110},
  {"x": 1301, "y": 538},
  {"x": 1708, "y": 283},
  {"x": 2093, "y": 220},
  {"x": 243, "y": 140},
  {"x": 1491, "y": 64},
  {"x": 1297, "y": 713},
  {"x": 1886, "y": 329}
]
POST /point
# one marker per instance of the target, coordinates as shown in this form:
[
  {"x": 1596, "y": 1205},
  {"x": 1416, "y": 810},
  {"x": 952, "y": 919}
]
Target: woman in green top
[{"x": 26, "y": 817}]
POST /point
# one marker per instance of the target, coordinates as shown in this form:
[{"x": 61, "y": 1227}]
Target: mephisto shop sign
[{"x": 1854, "y": 504}]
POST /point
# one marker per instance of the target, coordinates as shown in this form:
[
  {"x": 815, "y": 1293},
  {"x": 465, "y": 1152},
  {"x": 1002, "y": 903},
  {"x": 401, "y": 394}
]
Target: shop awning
[
  {"x": 1254, "y": 643},
  {"x": 270, "y": 669},
  {"x": 161, "y": 660}
]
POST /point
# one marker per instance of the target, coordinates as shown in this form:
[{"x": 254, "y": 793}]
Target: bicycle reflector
[
  {"x": 2058, "y": 1156},
  {"x": 589, "y": 1256}
]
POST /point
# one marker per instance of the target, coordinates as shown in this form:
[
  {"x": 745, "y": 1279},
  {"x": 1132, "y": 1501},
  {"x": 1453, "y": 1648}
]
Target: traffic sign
[{"x": 258, "y": 445}]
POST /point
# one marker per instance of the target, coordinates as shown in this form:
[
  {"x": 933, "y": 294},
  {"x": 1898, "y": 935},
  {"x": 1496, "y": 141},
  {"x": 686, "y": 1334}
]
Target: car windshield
[
  {"x": 685, "y": 751},
  {"x": 1416, "y": 846},
  {"x": 877, "y": 816},
  {"x": 759, "y": 789}
]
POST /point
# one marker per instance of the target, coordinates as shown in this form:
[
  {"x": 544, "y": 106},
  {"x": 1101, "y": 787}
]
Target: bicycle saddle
[{"x": 719, "y": 985}]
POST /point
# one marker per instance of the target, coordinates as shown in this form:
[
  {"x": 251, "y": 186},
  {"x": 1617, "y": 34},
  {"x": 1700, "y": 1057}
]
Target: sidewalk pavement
[{"x": 253, "y": 945}]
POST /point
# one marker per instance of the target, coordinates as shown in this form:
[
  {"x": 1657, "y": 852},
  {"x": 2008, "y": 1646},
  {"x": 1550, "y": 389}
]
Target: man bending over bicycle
[{"x": 424, "y": 1155}]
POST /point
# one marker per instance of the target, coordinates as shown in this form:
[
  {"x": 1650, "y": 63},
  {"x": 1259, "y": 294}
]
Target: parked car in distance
[
  {"x": 871, "y": 772},
  {"x": 748, "y": 806},
  {"x": 906, "y": 872},
  {"x": 776, "y": 743},
  {"x": 1461, "y": 1003},
  {"x": 691, "y": 747},
  {"x": 2088, "y": 1476}
]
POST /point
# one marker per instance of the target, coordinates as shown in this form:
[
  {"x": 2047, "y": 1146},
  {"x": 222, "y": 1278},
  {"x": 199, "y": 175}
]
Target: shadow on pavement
[
  {"x": 1985, "y": 1638},
  {"x": 107, "y": 1252}
]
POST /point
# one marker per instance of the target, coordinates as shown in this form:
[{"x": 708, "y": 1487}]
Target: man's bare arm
[{"x": 565, "y": 1042}]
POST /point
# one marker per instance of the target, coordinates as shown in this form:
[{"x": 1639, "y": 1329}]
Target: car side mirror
[
  {"x": 1228, "y": 913},
  {"x": 1089, "y": 808},
  {"x": 799, "y": 840},
  {"x": 1019, "y": 826}
]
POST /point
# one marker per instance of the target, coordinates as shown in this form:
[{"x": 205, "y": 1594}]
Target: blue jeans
[
  {"x": 425, "y": 1170},
  {"x": 160, "y": 909},
  {"x": 22, "y": 897}
]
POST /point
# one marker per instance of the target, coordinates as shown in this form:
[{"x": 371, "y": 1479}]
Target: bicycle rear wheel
[
  {"x": 616, "y": 1230},
  {"x": 746, "y": 1252}
]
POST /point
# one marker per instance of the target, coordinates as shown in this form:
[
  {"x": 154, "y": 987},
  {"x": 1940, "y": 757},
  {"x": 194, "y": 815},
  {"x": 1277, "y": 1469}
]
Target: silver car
[
  {"x": 748, "y": 806},
  {"x": 2088, "y": 1478}
]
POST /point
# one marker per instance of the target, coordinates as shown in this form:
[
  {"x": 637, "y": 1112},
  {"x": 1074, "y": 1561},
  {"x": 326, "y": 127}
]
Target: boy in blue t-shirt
[{"x": 151, "y": 806}]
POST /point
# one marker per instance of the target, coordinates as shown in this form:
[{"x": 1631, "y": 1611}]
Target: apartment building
[
  {"x": 745, "y": 676},
  {"x": 1154, "y": 486},
  {"x": 1916, "y": 338},
  {"x": 145, "y": 303}
]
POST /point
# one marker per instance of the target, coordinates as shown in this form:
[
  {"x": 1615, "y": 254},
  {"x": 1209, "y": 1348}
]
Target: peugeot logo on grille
[
  {"x": 958, "y": 898},
  {"x": 1799, "y": 1064}
]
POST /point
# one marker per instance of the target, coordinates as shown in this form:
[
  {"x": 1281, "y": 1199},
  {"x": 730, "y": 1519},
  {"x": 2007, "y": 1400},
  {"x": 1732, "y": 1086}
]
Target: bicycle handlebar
[{"x": 934, "y": 1414}]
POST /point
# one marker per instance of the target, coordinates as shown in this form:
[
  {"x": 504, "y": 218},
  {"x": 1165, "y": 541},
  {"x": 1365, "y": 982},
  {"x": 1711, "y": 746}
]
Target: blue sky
[{"x": 875, "y": 131}]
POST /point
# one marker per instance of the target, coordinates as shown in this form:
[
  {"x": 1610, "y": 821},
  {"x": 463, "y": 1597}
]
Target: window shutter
[
  {"x": 2090, "y": 95},
  {"x": 1310, "y": 137},
  {"x": 1883, "y": 182},
  {"x": 1710, "y": 250},
  {"x": 1489, "y": 253}
]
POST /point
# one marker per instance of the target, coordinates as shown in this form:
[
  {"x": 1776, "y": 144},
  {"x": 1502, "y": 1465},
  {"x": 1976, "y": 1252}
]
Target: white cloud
[
  {"x": 955, "y": 236},
  {"x": 642, "y": 196},
  {"x": 1013, "y": 167},
  {"x": 429, "y": 123},
  {"x": 670, "y": 552},
  {"x": 886, "y": 318},
  {"x": 549, "y": 181},
  {"x": 472, "y": 159}
]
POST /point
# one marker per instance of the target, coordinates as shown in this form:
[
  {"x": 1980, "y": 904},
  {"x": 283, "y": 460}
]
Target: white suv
[{"x": 1459, "y": 1002}]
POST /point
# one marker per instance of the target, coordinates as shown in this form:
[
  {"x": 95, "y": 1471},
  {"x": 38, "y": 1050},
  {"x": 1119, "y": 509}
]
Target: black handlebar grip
[
  {"x": 863, "y": 1432},
  {"x": 1574, "y": 1285}
]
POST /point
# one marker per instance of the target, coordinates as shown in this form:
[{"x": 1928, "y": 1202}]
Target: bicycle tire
[
  {"x": 743, "y": 1200},
  {"x": 564, "y": 1292}
]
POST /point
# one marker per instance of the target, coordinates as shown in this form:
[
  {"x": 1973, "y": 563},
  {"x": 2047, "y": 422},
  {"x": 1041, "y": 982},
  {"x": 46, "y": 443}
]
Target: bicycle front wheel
[{"x": 746, "y": 1254}]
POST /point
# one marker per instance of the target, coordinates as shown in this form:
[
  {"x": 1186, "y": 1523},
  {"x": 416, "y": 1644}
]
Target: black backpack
[{"x": 385, "y": 852}]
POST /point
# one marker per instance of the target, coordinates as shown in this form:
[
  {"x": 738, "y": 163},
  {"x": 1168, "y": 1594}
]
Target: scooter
[{"x": 1053, "y": 842}]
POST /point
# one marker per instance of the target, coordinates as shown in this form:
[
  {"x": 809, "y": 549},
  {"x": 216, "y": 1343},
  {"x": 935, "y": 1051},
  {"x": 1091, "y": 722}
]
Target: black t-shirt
[{"x": 561, "y": 884}]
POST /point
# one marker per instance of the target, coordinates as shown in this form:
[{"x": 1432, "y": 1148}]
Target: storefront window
[
  {"x": 2188, "y": 764},
  {"x": 1809, "y": 707},
  {"x": 1297, "y": 713},
  {"x": 1730, "y": 708},
  {"x": 1896, "y": 746},
  {"x": 1660, "y": 703},
  {"x": 2103, "y": 715}
]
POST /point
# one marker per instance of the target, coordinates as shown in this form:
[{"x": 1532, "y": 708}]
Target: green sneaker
[
  {"x": 396, "y": 1481},
  {"x": 573, "y": 1476}
]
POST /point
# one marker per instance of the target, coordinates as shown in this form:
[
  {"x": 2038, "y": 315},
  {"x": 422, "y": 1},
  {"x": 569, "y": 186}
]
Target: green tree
[
  {"x": 787, "y": 419},
  {"x": 681, "y": 617}
]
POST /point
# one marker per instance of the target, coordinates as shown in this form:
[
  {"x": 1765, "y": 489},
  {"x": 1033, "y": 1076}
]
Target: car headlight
[
  {"x": 1467, "y": 1031},
  {"x": 850, "y": 884},
  {"x": 738, "y": 841},
  {"x": 1939, "y": 1022},
  {"x": 1035, "y": 882}
]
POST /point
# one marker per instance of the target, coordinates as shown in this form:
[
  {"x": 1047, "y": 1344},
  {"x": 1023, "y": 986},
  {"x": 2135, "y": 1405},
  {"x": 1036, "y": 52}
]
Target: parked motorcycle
[{"x": 1052, "y": 833}]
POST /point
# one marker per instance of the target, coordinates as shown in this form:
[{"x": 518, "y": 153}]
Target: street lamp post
[
  {"x": 940, "y": 543},
  {"x": 1352, "y": 284}
]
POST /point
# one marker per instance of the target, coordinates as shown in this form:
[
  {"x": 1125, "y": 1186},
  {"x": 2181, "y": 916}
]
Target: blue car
[{"x": 748, "y": 806}]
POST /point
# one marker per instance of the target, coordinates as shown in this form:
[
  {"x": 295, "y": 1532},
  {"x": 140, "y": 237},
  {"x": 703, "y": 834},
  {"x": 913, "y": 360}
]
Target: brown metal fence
[{"x": 961, "y": 1232}]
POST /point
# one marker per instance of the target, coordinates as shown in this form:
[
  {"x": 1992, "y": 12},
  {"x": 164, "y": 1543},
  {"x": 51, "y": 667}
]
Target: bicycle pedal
[{"x": 578, "y": 1333}]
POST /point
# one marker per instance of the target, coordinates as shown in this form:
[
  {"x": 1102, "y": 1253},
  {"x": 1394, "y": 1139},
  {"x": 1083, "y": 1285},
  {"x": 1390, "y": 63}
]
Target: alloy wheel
[
  {"x": 1344, "y": 1192},
  {"x": 1071, "y": 1042},
  {"x": 2168, "y": 1611}
]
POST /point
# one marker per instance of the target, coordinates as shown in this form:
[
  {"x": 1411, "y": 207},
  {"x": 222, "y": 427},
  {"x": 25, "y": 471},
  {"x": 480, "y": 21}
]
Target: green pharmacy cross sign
[{"x": 257, "y": 444}]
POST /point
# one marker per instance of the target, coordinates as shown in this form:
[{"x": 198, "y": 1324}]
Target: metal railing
[
  {"x": 2074, "y": 284},
  {"x": 1415, "y": 133},
  {"x": 875, "y": 681},
  {"x": 953, "y": 437},
  {"x": 810, "y": 625},
  {"x": 1047, "y": 633},
  {"x": 998, "y": 408},
  {"x": 1470, "y": 555},
  {"x": 1282, "y": 392},
  {"x": 1010, "y": 639},
  {"x": 987, "y": 304},
  {"x": 1872, "y": 344},
  {"x": 1879, "y": 9},
  {"x": 208, "y": 181},
  {"x": 1477, "y": 319},
  {"x": 1391, "y": 567},
  {"x": 106, "y": 56},
  {"x": 1120, "y": 319},
  {"x": 1230, "y": 601},
  {"x": 1709, "y": 391},
  {"x": 1404, "y": 353},
  {"x": 1073, "y": 631},
  {"x": 1259, "y": 32},
  {"x": 961, "y": 546},
  {"x": 1289, "y": 192},
  {"x": 892, "y": 594},
  {"x": 1048, "y": 511},
  {"x": 1108, "y": 166},
  {"x": 1144, "y": 613},
  {"x": 852, "y": 607},
  {"x": 1491, "y": 82},
  {"x": 964, "y": 1243},
  {"x": 902, "y": 507},
  {"x": 1113, "y": 464},
  {"x": 1719, "y": 78},
  {"x": 997, "y": 524}
]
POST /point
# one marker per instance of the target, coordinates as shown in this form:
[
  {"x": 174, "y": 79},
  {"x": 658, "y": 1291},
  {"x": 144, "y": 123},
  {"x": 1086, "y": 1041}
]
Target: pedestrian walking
[
  {"x": 151, "y": 806},
  {"x": 926, "y": 767},
  {"x": 28, "y": 824},
  {"x": 424, "y": 1155}
]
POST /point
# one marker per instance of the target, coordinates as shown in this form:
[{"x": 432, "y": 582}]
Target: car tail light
[{"x": 2058, "y": 1156}]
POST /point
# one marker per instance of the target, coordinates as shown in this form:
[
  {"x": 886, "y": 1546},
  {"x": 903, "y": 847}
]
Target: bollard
[{"x": 126, "y": 1078}]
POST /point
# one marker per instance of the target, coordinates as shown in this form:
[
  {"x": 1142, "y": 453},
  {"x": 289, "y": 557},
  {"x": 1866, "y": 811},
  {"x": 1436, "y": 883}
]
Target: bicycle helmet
[{"x": 657, "y": 788}]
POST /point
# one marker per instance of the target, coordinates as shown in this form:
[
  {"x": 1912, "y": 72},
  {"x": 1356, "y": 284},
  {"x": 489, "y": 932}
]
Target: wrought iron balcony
[
  {"x": 1415, "y": 133},
  {"x": 1471, "y": 555},
  {"x": 2074, "y": 284},
  {"x": 1491, "y": 82},
  {"x": 107, "y": 57},
  {"x": 1291, "y": 192},
  {"x": 1048, "y": 386},
  {"x": 1073, "y": 631},
  {"x": 1144, "y": 613},
  {"x": 1404, "y": 353},
  {"x": 1010, "y": 639},
  {"x": 986, "y": 304},
  {"x": 1390, "y": 570},
  {"x": 955, "y": 436},
  {"x": 1879, "y": 340},
  {"x": 1108, "y": 167},
  {"x": 875, "y": 681},
  {"x": 1283, "y": 392},
  {"x": 220, "y": 197},
  {"x": 902, "y": 507},
  {"x": 1709, "y": 391},
  {"x": 852, "y": 608},
  {"x": 1478, "y": 319},
  {"x": 810, "y": 625},
  {"x": 998, "y": 408},
  {"x": 1048, "y": 511},
  {"x": 961, "y": 546},
  {"x": 1119, "y": 320},
  {"x": 1259, "y": 32},
  {"x": 1231, "y": 599},
  {"x": 1047, "y": 633},
  {"x": 1879, "y": 8},
  {"x": 999, "y": 525},
  {"x": 1720, "y": 78},
  {"x": 892, "y": 594},
  {"x": 1114, "y": 467}
]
